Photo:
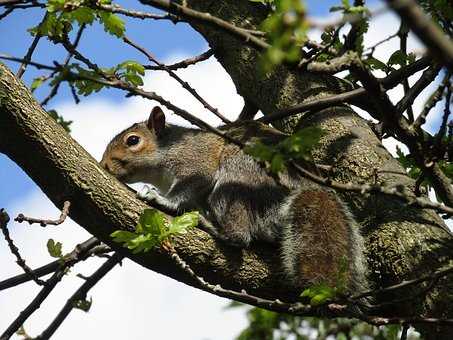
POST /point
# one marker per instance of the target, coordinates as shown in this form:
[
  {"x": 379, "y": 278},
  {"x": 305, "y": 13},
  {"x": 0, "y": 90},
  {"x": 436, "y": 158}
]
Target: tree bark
[{"x": 402, "y": 242}]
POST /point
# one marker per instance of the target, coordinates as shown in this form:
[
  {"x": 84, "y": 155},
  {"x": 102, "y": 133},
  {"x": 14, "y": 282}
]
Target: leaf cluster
[
  {"x": 89, "y": 81},
  {"x": 62, "y": 14},
  {"x": 361, "y": 25},
  {"x": 286, "y": 29},
  {"x": 267, "y": 325},
  {"x": 153, "y": 229},
  {"x": 295, "y": 147}
]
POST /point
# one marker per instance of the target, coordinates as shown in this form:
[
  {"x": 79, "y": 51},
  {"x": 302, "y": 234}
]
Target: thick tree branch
[
  {"x": 102, "y": 205},
  {"x": 350, "y": 147}
]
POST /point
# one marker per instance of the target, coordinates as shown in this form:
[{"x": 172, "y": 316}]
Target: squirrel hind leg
[{"x": 321, "y": 242}]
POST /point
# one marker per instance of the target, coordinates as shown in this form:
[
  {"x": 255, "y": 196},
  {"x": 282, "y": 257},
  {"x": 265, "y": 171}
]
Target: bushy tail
[{"x": 321, "y": 242}]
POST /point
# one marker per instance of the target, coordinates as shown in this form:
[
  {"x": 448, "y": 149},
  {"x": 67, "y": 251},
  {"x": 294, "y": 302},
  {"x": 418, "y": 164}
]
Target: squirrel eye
[{"x": 132, "y": 140}]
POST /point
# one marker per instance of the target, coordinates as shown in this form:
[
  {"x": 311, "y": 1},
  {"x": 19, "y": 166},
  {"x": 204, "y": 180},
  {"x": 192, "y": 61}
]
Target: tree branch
[
  {"x": 426, "y": 30},
  {"x": 80, "y": 294}
]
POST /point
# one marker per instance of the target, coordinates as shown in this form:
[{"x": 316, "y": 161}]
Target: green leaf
[
  {"x": 54, "y": 248},
  {"x": 260, "y": 151},
  {"x": 319, "y": 293},
  {"x": 277, "y": 163},
  {"x": 122, "y": 236},
  {"x": 134, "y": 79},
  {"x": 300, "y": 144},
  {"x": 53, "y": 27},
  {"x": 152, "y": 221},
  {"x": 336, "y": 8},
  {"x": 83, "y": 15},
  {"x": 37, "y": 82},
  {"x": 180, "y": 224},
  {"x": 113, "y": 24},
  {"x": 397, "y": 58},
  {"x": 376, "y": 64},
  {"x": 287, "y": 30},
  {"x": 55, "y": 5},
  {"x": 153, "y": 229},
  {"x": 132, "y": 67}
]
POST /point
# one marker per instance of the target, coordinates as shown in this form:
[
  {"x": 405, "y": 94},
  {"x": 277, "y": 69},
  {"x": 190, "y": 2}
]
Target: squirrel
[{"x": 198, "y": 170}]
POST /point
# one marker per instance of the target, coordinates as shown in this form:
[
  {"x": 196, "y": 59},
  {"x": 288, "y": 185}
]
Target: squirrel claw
[{"x": 147, "y": 193}]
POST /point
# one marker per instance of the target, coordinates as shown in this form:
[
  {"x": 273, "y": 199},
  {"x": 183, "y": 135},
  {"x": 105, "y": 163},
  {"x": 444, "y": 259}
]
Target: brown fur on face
[{"x": 120, "y": 159}]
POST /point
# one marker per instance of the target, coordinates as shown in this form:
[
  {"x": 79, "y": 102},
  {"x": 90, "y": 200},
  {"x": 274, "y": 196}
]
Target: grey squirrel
[{"x": 198, "y": 170}]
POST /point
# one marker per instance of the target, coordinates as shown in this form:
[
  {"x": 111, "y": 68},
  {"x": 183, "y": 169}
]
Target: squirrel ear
[{"x": 156, "y": 120}]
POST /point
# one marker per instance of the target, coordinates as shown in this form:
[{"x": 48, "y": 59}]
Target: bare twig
[
  {"x": 313, "y": 105},
  {"x": 426, "y": 30},
  {"x": 435, "y": 97},
  {"x": 34, "y": 305},
  {"x": 438, "y": 143},
  {"x": 192, "y": 15},
  {"x": 80, "y": 294},
  {"x": 45, "y": 291},
  {"x": 74, "y": 93},
  {"x": 370, "y": 50},
  {"x": 404, "y": 284},
  {"x": 183, "y": 83},
  {"x": 43, "y": 222},
  {"x": 403, "y": 34},
  {"x": 7, "y": 12},
  {"x": 4, "y": 219},
  {"x": 13, "y": 5},
  {"x": 394, "y": 78},
  {"x": 136, "y": 14},
  {"x": 118, "y": 83},
  {"x": 351, "y": 97},
  {"x": 333, "y": 309},
  {"x": 400, "y": 127},
  {"x": 398, "y": 192},
  {"x": 275, "y": 305},
  {"x": 56, "y": 86},
  {"x": 14, "y": 2},
  {"x": 28, "y": 62},
  {"x": 80, "y": 253},
  {"x": 30, "y": 51},
  {"x": 425, "y": 80},
  {"x": 184, "y": 63}
]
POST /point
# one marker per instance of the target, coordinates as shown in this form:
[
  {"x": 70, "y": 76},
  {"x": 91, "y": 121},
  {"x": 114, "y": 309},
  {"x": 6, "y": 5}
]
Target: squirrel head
[{"x": 130, "y": 153}]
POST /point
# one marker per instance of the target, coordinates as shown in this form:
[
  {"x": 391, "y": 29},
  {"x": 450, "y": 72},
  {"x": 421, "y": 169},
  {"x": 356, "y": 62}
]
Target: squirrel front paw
[{"x": 148, "y": 193}]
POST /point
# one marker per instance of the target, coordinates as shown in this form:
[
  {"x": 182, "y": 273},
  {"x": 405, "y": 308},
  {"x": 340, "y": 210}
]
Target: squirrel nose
[{"x": 105, "y": 165}]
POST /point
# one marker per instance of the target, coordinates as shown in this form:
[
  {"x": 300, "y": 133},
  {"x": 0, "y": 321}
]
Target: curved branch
[{"x": 101, "y": 204}]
